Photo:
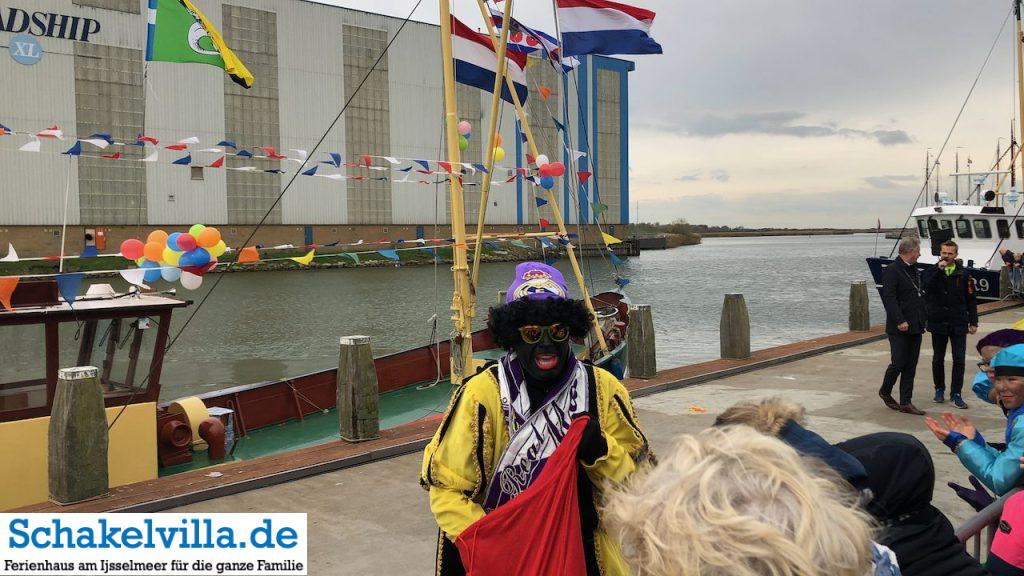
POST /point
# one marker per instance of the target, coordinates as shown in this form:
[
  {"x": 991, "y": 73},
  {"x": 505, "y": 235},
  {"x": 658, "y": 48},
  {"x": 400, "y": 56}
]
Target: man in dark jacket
[
  {"x": 905, "y": 322},
  {"x": 952, "y": 313}
]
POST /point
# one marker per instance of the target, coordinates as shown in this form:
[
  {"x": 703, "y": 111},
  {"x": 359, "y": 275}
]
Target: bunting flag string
[
  {"x": 305, "y": 260},
  {"x": 68, "y": 284},
  {"x": 12, "y": 255}
]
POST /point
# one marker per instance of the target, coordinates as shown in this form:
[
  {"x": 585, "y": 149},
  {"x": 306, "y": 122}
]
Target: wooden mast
[
  {"x": 552, "y": 201},
  {"x": 1020, "y": 74},
  {"x": 462, "y": 302}
]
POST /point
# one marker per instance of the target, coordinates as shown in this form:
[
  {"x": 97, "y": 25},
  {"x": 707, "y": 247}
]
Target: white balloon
[
  {"x": 170, "y": 274},
  {"x": 541, "y": 160},
  {"x": 191, "y": 281}
]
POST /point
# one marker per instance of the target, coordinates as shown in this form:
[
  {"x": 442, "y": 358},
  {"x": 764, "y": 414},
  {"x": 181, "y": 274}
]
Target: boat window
[
  {"x": 922, "y": 228},
  {"x": 23, "y": 371},
  {"x": 982, "y": 229},
  {"x": 1020, "y": 228},
  {"x": 1003, "y": 227},
  {"x": 120, "y": 350},
  {"x": 946, "y": 224},
  {"x": 963, "y": 228},
  {"x": 933, "y": 224}
]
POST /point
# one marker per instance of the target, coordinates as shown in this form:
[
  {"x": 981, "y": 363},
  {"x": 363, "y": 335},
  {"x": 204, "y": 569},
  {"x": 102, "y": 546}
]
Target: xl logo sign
[{"x": 25, "y": 49}]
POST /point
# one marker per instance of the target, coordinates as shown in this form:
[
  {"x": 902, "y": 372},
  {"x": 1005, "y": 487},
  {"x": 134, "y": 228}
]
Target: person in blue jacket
[
  {"x": 990, "y": 345},
  {"x": 998, "y": 470}
]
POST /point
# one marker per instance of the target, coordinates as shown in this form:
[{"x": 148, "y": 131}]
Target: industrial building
[{"x": 79, "y": 65}]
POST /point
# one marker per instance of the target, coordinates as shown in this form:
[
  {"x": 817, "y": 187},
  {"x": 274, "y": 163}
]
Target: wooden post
[
  {"x": 357, "y": 390},
  {"x": 1005, "y": 286},
  {"x": 640, "y": 342},
  {"x": 501, "y": 297},
  {"x": 735, "y": 328},
  {"x": 78, "y": 438},
  {"x": 860, "y": 314}
]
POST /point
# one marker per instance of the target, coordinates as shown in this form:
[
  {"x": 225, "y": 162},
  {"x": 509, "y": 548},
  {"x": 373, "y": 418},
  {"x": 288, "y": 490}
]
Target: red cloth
[
  {"x": 1008, "y": 543},
  {"x": 538, "y": 531}
]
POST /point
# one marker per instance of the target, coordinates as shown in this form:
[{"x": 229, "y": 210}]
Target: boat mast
[
  {"x": 552, "y": 201},
  {"x": 927, "y": 173},
  {"x": 462, "y": 311},
  {"x": 1020, "y": 77}
]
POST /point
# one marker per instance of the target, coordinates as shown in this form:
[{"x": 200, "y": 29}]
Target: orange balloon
[
  {"x": 209, "y": 237},
  {"x": 157, "y": 236},
  {"x": 154, "y": 251},
  {"x": 498, "y": 141}
]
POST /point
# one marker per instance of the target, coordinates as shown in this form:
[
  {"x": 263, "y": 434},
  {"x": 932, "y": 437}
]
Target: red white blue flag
[
  {"x": 476, "y": 63},
  {"x": 605, "y": 27}
]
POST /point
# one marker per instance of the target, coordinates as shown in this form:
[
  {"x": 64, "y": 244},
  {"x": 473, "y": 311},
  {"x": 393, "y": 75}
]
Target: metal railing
[{"x": 970, "y": 533}]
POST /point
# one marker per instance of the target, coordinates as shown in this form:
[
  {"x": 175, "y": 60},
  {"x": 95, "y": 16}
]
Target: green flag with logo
[{"x": 178, "y": 32}]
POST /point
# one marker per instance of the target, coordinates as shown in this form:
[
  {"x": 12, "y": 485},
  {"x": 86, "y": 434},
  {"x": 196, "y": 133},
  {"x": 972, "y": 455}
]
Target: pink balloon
[
  {"x": 557, "y": 168},
  {"x": 465, "y": 128},
  {"x": 186, "y": 242},
  {"x": 132, "y": 249}
]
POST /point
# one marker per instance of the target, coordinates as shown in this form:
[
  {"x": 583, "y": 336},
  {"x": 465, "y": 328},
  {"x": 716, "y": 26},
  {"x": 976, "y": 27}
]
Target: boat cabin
[{"x": 979, "y": 231}]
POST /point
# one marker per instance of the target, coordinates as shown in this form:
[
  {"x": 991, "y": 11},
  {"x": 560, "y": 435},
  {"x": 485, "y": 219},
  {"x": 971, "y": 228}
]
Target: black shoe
[
  {"x": 909, "y": 408},
  {"x": 958, "y": 401},
  {"x": 889, "y": 400}
]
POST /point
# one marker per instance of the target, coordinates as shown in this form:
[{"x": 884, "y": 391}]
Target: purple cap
[
  {"x": 536, "y": 281},
  {"x": 1002, "y": 338}
]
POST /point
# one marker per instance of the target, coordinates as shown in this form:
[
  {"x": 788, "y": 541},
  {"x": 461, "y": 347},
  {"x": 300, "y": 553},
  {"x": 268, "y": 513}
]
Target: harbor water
[{"x": 270, "y": 325}]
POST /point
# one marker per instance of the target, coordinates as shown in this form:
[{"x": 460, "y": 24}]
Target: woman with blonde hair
[{"x": 733, "y": 502}]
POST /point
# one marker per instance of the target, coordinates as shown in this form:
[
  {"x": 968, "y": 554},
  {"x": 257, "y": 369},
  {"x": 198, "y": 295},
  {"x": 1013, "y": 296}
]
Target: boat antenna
[{"x": 924, "y": 189}]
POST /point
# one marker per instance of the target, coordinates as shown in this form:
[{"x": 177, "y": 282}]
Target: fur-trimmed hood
[{"x": 767, "y": 416}]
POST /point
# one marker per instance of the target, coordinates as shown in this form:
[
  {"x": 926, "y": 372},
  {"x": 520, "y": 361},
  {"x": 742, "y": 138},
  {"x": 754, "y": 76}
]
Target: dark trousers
[
  {"x": 905, "y": 349},
  {"x": 959, "y": 342}
]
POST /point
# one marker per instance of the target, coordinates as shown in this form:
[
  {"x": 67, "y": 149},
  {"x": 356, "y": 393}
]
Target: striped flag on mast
[
  {"x": 476, "y": 63},
  {"x": 605, "y": 27}
]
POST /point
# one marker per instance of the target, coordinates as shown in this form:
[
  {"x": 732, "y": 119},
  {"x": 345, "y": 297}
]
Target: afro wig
[{"x": 504, "y": 321}]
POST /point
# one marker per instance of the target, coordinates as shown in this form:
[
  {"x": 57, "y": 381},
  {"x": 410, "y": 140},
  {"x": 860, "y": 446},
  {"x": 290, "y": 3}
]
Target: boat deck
[{"x": 234, "y": 477}]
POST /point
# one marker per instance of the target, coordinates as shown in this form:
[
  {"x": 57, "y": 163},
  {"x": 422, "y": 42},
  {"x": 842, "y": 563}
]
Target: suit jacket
[{"x": 902, "y": 295}]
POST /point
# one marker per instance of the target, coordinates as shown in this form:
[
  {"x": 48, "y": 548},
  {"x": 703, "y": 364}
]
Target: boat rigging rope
[
  {"x": 284, "y": 190},
  {"x": 963, "y": 106}
]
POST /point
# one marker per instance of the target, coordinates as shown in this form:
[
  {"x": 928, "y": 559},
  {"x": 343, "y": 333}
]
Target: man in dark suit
[
  {"x": 905, "y": 322},
  {"x": 952, "y": 314}
]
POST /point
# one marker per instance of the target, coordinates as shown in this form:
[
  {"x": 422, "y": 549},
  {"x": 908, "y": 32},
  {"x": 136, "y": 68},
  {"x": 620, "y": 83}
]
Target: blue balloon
[
  {"x": 467, "y": 135},
  {"x": 170, "y": 274},
  {"x": 547, "y": 182},
  {"x": 200, "y": 257},
  {"x": 172, "y": 241},
  {"x": 152, "y": 271}
]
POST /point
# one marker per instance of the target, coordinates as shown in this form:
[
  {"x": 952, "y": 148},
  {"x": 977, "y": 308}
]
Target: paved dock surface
[{"x": 374, "y": 519}]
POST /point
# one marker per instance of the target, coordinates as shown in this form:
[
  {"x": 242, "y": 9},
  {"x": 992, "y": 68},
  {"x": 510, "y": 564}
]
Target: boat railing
[
  {"x": 977, "y": 532},
  {"x": 1016, "y": 276}
]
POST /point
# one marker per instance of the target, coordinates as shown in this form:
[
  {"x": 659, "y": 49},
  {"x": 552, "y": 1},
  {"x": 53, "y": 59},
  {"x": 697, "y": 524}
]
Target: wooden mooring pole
[
  {"x": 735, "y": 328},
  {"x": 860, "y": 313},
  {"x": 640, "y": 355},
  {"x": 358, "y": 406},
  {"x": 78, "y": 437}
]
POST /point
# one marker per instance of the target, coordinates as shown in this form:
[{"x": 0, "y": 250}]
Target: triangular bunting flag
[
  {"x": 545, "y": 92},
  {"x": 187, "y": 160},
  {"x": 529, "y": 158},
  {"x": 310, "y": 172},
  {"x": 304, "y": 260},
  {"x": 68, "y": 284},
  {"x": 446, "y": 166},
  {"x": 352, "y": 255},
  {"x": 189, "y": 140},
  {"x": 152, "y": 157},
  {"x": 7, "y": 286},
  {"x": 244, "y": 154},
  {"x": 550, "y": 261},
  {"x": 334, "y": 161},
  {"x": 4, "y": 130},
  {"x": 540, "y": 202},
  {"x": 75, "y": 150},
  {"x": 622, "y": 282},
  {"x": 544, "y": 223},
  {"x": 134, "y": 276},
  {"x": 248, "y": 254},
  {"x": 599, "y": 208},
  {"x": 12, "y": 256},
  {"x": 584, "y": 176},
  {"x": 218, "y": 163},
  {"x": 177, "y": 147},
  {"x": 609, "y": 239},
  {"x": 547, "y": 243},
  {"x": 615, "y": 258},
  {"x": 424, "y": 163},
  {"x": 98, "y": 142},
  {"x": 519, "y": 244},
  {"x": 480, "y": 167},
  {"x": 31, "y": 146},
  {"x": 114, "y": 156},
  {"x": 390, "y": 160},
  {"x": 142, "y": 139},
  {"x": 389, "y": 254},
  {"x": 491, "y": 244},
  {"x": 51, "y": 132},
  {"x": 89, "y": 252},
  {"x": 523, "y": 137},
  {"x": 558, "y": 125},
  {"x": 229, "y": 143},
  {"x": 576, "y": 155}
]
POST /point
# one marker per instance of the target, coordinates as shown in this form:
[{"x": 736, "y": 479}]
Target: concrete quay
[{"x": 374, "y": 518}]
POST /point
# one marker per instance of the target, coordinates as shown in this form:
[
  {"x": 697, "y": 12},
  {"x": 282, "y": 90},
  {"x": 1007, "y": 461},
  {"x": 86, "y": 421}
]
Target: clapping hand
[
  {"x": 979, "y": 498},
  {"x": 952, "y": 424}
]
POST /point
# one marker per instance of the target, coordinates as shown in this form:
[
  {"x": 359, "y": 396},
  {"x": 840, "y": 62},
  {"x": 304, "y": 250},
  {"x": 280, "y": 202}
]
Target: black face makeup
[{"x": 543, "y": 361}]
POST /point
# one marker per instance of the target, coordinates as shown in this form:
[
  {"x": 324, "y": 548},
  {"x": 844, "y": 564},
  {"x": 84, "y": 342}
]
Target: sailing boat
[
  {"x": 984, "y": 225},
  {"x": 272, "y": 416}
]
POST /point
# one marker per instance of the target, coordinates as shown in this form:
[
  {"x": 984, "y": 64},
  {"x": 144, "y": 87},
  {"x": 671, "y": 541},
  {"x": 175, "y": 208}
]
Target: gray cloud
[
  {"x": 889, "y": 182},
  {"x": 690, "y": 177},
  {"x": 781, "y": 123},
  {"x": 720, "y": 175}
]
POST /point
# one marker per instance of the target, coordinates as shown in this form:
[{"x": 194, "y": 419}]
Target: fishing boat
[
  {"x": 986, "y": 224},
  {"x": 150, "y": 436}
]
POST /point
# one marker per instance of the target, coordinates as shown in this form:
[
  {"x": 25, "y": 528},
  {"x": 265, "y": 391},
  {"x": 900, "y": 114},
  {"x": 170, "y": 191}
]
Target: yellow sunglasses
[{"x": 532, "y": 334}]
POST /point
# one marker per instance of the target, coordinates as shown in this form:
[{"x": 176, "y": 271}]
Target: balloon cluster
[
  {"x": 166, "y": 255},
  {"x": 548, "y": 171}
]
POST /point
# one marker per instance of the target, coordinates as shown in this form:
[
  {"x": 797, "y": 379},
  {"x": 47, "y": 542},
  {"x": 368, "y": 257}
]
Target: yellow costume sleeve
[
  {"x": 627, "y": 444},
  {"x": 457, "y": 460}
]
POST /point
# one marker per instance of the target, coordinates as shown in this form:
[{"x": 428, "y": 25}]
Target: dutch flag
[
  {"x": 528, "y": 40},
  {"x": 476, "y": 64},
  {"x": 605, "y": 27}
]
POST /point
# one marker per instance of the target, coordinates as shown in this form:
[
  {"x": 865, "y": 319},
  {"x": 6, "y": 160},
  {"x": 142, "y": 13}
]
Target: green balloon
[
  {"x": 463, "y": 143},
  {"x": 196, "y": 229}
]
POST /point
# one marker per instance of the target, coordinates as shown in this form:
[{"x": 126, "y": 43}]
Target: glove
[
  {"x": 979, "y": 498},
  {"x": 592, "y": 443}
]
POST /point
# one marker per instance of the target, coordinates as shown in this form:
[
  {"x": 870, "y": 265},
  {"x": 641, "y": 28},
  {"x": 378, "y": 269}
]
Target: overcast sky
[{"x": 800, "y": 112}]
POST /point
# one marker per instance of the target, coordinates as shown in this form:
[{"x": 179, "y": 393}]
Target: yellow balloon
[
  {"x": 217, "y": 249},
  {"x": 499, "y": 154},
  {"x": 171, "y": 257}
]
